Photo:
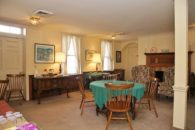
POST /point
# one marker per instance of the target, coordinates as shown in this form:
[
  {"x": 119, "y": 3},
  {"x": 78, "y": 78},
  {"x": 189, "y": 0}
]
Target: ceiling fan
[{"x": 114, "y": 35}]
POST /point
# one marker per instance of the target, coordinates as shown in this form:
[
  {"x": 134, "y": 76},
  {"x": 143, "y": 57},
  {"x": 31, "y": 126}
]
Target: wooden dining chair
[
  {"x": 149, "y": 95},
  {"x": 111, "y": 76},
  {"x": 16, "y": 85},
  {"x": 3, "y": 87},
  {"x": 119, "y": 101},
  {"x": 87, "y": 96}
]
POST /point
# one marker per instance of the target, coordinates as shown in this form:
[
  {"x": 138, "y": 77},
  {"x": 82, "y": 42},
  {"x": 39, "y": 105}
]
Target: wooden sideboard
[{"x": 49, "y": 85}]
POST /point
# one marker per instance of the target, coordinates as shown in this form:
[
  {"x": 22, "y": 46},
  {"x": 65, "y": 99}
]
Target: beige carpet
[{"x": 61, "y": 113}]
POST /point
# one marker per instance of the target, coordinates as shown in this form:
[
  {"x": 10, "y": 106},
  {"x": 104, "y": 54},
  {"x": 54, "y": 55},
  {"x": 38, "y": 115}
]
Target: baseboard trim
[{"x": 173, "y": 128}]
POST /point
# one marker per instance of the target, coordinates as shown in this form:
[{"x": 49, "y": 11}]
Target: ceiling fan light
[
  {"x": 113, "y": 37},
  {"x": 34, "y": 20}
]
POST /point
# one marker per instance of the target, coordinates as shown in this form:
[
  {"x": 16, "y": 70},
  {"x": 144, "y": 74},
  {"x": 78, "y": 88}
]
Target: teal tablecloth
[{"x": 100, "y": 92}]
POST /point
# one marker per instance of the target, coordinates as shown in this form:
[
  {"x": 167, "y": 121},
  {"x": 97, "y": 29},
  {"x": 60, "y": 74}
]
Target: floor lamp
[
  {"x": 60, "y": 58},
  {"x": 96, "y": 59}
]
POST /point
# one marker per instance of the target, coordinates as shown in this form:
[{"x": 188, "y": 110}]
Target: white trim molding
[{"x": 180, "y": 88}]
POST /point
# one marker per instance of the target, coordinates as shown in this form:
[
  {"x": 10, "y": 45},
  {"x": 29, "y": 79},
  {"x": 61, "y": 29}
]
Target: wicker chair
[
  {"x": 16, "y": 85},
  {"x": 165, "y": 88},
  {"x": 119, "y": 101},
  {"x": 141, "y": 74}
]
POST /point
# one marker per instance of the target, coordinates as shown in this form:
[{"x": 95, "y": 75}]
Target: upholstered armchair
[
  {"x": 141, "y": 74},
  {"x": 166, "y": 87}
]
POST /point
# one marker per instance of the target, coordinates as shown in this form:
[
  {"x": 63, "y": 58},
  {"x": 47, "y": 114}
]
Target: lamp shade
[
  {"x": 60, "y": 57},
  {"x": 96, "y": 58}
]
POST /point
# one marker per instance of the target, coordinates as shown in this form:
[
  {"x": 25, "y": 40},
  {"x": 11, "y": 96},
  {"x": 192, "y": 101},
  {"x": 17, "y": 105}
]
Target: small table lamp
[
  {"x": 60, "y": 58},
  {"x": 96, "y": 59}
]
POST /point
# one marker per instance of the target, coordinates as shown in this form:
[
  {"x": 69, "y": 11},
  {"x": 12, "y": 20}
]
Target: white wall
[
  {"x": 159, "y": 41},
  {"x": 129, "y": 52},
  {"x": 163, "y": 41},
  {"x": 45, "y": 35},
  {"x": 191, "y": 37}
]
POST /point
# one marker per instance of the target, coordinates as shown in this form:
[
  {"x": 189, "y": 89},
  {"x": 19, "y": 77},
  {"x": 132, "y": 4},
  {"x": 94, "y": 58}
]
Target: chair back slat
[
  {"x": 111, "y": 76},
  {"x": 16, "y": 81},
  {"x": 3, "y": 87},
  {"x": 79, "y": 80},
  {"x": 119, "y": 95},
  {"x": 153, "y": 84}
]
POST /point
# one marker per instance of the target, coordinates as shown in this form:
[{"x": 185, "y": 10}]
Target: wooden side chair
[
  {"x": 87, "y": 96},
  {"x": 3, "y": 87},
  {"x": 16, "y": 85},
  {"x": 150, "y": 94},
  {"x": 119, "y": 101},
  {"x": 111, "y": 77}
]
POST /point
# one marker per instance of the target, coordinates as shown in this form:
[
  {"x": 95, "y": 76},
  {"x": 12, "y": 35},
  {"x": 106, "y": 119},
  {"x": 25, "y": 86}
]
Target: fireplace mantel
[
  {"x": 166, "y": 59},
  {"x": 160, "y": 59}
]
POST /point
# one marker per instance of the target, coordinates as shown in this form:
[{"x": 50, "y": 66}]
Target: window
[
  {"x": 12, "y": 30},
  {"x": 71, "y": 48},
  {"x": 106, "y": 51}
]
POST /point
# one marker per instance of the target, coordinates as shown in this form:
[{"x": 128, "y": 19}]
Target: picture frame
[
  {"x": 118, "y": 56},
  {"x": 44, "y": 53},
  {"x": 89, "y": 55}
]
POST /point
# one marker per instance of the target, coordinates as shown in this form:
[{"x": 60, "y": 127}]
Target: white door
[
  {"x": 130, "y": 58},
  {"x": 11, "y": 56}
]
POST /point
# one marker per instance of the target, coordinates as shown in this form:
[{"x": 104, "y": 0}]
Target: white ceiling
[{"x": 98, "y": 17}]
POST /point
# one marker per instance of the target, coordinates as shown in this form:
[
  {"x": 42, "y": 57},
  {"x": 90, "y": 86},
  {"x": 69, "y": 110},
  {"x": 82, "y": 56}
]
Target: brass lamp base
[
  {"x": 97, "y": 66},
  {"x": 60, "y": 69}
]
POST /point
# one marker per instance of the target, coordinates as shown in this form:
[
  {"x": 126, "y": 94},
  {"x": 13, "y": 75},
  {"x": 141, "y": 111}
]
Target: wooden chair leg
[
  {"x": 67, "y": 93},
  {"x": 39, "y": 97},
  {"x": 9, "y": 96},
  {"x": 107, "y": 114},
  {"x": 81, "y": 103},
  {"x": 22, "y": 95},
  {"x": 109, "y": 119},
  {"x": 149, "y": 104},
  {"x": 6, "y": 96},
  {"x": 82, "y": 108},
  {"x": 154, "y": 108},
  {"x": 97, "y": 110},
  {"x": 129, "y": 120},
  {"x": 138, "y": 107}
]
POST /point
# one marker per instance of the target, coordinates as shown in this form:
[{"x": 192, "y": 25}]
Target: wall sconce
[
  {"x": 96, "y": 59},
  {"x": 34, "y": 20},
  {"x": 60, "y": 58}
]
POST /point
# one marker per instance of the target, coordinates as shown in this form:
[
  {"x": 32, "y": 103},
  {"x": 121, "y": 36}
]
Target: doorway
[
  {"x": 11, "y": 56},
  {"x": 129, "y": 58}
]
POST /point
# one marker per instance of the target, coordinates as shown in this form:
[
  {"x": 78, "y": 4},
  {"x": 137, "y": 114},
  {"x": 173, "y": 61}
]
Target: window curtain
[
  {"x": 107, "y": 55},
  {"x": 71, "y": 49}
]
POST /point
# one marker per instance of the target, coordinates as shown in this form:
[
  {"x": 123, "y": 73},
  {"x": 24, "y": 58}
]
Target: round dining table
[{"x": 100, "y": 92}]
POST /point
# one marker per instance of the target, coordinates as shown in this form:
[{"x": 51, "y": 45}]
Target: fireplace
[{"x": 159, "y": 75}]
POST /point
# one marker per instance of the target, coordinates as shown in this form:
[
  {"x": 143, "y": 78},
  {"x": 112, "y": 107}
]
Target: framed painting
[
  {"x": 44, "y": 53},
  {"x": 89, "y": 55},
  {"x": 118, "y": 56}
]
